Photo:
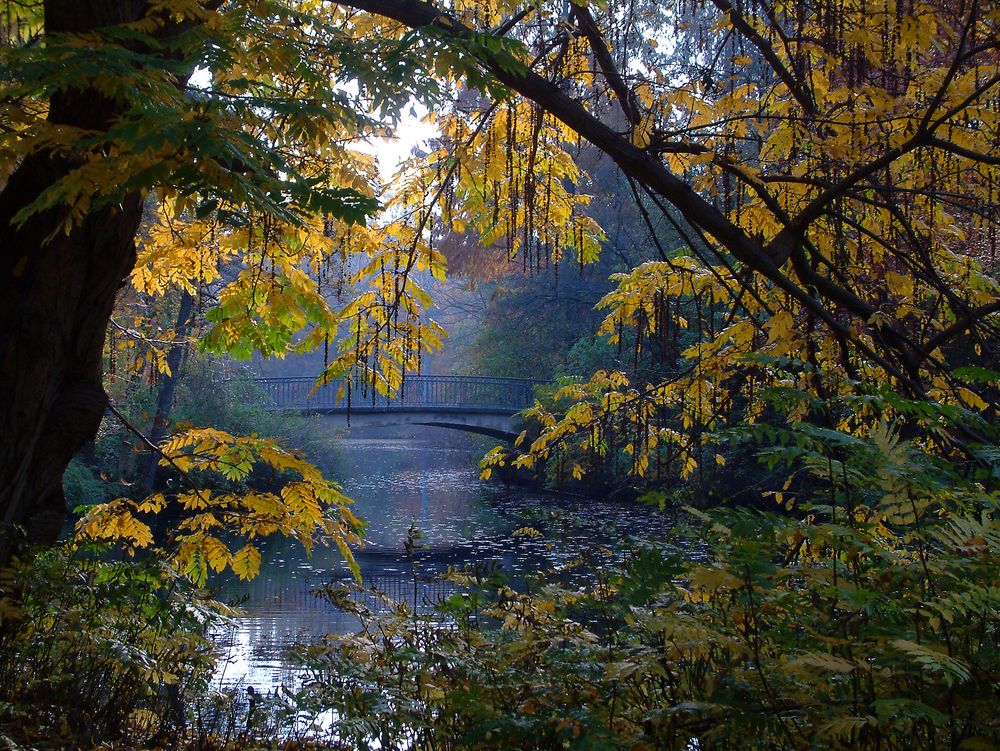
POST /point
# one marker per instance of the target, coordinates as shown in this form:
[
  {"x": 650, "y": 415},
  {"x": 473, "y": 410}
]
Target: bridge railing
[{"x": 425, "y": 391}]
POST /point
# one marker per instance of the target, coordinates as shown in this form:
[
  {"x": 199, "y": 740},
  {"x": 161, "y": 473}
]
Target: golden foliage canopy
[{"x": 832, "y": 166}]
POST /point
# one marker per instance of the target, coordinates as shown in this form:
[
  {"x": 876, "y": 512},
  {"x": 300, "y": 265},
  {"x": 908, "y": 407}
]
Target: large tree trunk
[{"x": 57, "y": 291}]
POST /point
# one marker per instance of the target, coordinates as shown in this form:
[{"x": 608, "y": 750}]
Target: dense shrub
[{"x": 95, "y": 650}]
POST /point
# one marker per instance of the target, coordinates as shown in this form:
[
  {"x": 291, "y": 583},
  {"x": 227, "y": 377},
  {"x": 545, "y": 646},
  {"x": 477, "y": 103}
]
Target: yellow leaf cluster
[{"x": 311, "y": 509}]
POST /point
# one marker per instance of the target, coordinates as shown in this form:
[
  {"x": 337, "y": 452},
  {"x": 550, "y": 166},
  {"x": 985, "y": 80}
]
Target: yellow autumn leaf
[{"x": 245, "y": 563}]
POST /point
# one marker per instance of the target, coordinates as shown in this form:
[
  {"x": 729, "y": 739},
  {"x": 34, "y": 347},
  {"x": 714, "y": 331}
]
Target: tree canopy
[{"x": 831, "y": 167}]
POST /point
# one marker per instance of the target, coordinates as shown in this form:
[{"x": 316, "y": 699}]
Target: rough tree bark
[{"x": 57, "y": 291}]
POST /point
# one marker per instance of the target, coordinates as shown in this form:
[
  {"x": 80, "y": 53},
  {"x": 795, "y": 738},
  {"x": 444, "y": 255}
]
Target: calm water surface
[{"x": 427, "y": 477}]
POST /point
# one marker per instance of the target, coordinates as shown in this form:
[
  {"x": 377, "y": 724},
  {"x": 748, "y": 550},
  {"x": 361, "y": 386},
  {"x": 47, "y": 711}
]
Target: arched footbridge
[{"x": 479, "y": 404}]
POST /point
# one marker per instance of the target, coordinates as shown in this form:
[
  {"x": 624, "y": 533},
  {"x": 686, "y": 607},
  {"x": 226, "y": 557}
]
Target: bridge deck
[{"x": 426, "y": 393}]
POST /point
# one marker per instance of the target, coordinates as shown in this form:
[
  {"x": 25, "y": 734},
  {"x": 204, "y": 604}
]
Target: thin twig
[{"x": 156, "y": 449}]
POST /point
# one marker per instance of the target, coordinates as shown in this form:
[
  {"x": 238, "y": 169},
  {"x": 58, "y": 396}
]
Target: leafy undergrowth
[
  {"x": 866, "y": 617},
  {"x": 115, "y": 655}
]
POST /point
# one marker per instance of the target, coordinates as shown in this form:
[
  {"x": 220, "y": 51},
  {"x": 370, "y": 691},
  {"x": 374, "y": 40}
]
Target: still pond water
[{"x": 398, "y": 476}]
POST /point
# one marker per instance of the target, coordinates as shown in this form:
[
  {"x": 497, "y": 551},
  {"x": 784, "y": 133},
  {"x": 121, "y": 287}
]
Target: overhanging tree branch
[
  {"x": 626, "y": 99},
  {"x": 634, "y": 162}
]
